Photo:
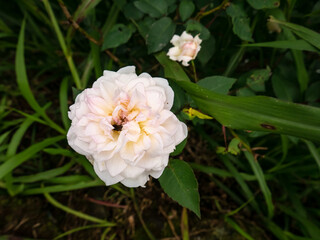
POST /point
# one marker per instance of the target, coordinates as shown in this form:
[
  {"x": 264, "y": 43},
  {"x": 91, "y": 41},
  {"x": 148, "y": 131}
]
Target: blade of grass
[
  {"x": 246, "y": 190},
  {"x": 257, "y": 113},
  {"x": 238, "y": 228},
  {"x": 314, "y": 151},
  {"x": 25, "y": 155},
  {"x": 67, "y": 52},
  {"x": 311, "y": 228},
  {"x": 11, "y": 150},
  {"x": 305, "y": 33},
  {"x": 76, "y": 213},
  {"x": 262, "y": 182},
  {"x": 23, "y": 83},
  {"x": 69, "y": 179},
  {"x": 223, "y": 173},
  {"x": 80, "y": 229},
  {"x": 286, "y": 44},
  {"x": 63, "y": 188},
  {"x": 63, "y": 97},
  {"x": 275, "y": 229},
  {"x": 44, "y": 175}
]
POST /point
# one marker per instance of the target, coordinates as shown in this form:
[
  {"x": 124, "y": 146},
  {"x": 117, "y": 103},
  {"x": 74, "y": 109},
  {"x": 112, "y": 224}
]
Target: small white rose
[
  {"x": 185, "y": 48},
  {"x": 124, "y": 126}
]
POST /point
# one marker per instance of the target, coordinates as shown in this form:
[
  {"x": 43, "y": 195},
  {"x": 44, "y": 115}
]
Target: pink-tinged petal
[
  {"x": 186, "y": 36},
  {"x": 132, "y": 172},
  {"x": 92, "y": 129},
  {"x": 109, "y": 75},
  {"x": 148, "y": 162},
  {"x": 128, "y": 154},
  {"x": 140, "y": 181},
  {"x": 168, "y": 90},
  {"x": 115, "y": 165},
  {"x": 106, "y": 177},
  {"x": 173, "y": 53},
  {"x": 144, "y": 75},
  {"x": 124, "y": 127},
  {"x": 127, "y": 70},
  {"x": 175, "y": 40},
  {"x": 181, "y": 134},
  {"x": 97, "y": 105},
  {"x": 133, "y": 131},
  {"x": 156, "y": 174}
]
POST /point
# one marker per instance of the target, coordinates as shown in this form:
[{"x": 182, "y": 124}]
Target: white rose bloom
[
  {"x": 124, "y": 126},
  {"x": 185, "y": 48}
]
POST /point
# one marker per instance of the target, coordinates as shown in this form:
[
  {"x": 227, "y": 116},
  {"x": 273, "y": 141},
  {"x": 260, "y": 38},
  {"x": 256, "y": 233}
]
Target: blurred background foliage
[{"x": 253, "y": 184}]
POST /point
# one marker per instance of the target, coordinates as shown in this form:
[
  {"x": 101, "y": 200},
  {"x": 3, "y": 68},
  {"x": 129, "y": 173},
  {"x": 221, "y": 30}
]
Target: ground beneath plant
[{"x": 24, "y": 217}]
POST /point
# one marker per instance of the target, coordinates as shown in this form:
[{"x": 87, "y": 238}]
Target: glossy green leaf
[
  {"x": 160, "y": 34},
  {"x": 153, "y": 8},
  {"x": 240, "y": 21},
  {"x": 260, "y": 4},
  {"x": 118, "y": 35},
  {"x": 218, "y": 84},
  {"x": 186, "y": 9},
  {"x": 258, "y": 113},
  {"x": 179, "y": 182}
]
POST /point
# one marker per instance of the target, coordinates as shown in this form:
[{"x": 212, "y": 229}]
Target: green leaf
[
  {"x": 118, "y": 35},
  {"x": 313, "y": 92},
  {"x": 207, "y": 50},
  {"x": 179, "y": 148},
  {"x": 154, "y": 8},
  {"x": 173, "y": 70},
  {"x": 240, "y": 21},
  {"x": 286, "y": 44},
  {"x": 186, "y": 9},
  {"x": 197, "y": 28},
  {"x": 179, "y": 182},
  {"x": 257, "y": 79},
  {"x": 233, "y": 147},
  {"x": 305, "y": 33},
  {"x": 260, "y": 4},
  {"x": 258, "y": 113},
  {"x": 160, "y": 34},
  {"x": 131, "y": 12},
  {"x": 283, "y": 88},
  {"x": 218, "y": 84}
]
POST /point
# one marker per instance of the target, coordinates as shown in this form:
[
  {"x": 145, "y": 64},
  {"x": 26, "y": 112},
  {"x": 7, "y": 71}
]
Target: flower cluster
[
  {"x": 185, "y": 48},
  {"x": 124, "y": 126}
]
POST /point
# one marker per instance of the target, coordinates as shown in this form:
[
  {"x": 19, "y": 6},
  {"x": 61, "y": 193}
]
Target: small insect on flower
[
  {"x": 124, "y": 126},
  {"x": 186, "y": 48}
]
